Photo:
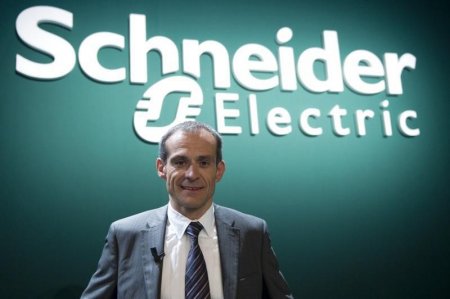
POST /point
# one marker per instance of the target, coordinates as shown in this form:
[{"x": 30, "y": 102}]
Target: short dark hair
[{"x": 190, "y": 127}]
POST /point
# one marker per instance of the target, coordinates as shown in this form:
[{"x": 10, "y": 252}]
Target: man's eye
[
  {"x": 204, "y": 163},
  {"x": 179, "y": 163}
]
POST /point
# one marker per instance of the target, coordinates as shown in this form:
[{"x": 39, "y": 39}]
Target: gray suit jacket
[{"x": 127, "y": 268}]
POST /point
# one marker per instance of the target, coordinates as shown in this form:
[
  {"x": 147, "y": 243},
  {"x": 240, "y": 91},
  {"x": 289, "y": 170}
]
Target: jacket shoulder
[
  {"x": 141, "y": 220},
  {"x": 237, "y": 218}
]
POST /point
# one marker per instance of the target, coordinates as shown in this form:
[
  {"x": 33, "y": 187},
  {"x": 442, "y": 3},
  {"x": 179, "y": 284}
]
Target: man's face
[{"x": 191, "y": 172}]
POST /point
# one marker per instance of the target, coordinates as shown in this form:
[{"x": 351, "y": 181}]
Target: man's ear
[
  {"x": 220, "y": 170},
  {"x": 161, "y": 168}
]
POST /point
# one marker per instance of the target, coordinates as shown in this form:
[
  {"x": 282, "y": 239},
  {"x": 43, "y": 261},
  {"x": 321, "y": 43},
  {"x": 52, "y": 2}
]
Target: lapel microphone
[{"x": 157, "y": 257}]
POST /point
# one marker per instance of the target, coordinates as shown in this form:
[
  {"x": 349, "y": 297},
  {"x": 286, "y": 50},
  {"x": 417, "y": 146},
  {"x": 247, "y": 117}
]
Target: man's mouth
[{"x": 191, "y": 188}]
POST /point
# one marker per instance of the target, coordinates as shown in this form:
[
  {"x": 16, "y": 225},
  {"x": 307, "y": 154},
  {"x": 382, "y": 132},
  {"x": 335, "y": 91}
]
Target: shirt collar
[{"x": 181, "y": 222}]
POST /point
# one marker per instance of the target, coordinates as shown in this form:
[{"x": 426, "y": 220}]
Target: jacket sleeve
[
  {"x": 275, "y": 286},
  {"x": 103, "y": 283}
]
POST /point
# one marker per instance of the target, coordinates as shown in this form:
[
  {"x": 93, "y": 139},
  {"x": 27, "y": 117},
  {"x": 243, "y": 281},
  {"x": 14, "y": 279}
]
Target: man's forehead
[
  {"x": 201, "y": 143},
  {"x": 183, "y": 137}
]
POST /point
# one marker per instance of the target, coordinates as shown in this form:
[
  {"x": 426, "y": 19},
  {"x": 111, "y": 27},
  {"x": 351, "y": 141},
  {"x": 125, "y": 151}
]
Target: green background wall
[{"x": 350, "y": 217}]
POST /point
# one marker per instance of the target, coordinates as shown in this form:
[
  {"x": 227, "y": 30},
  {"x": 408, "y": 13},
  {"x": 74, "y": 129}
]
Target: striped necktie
[{"x": 196, "y": 279}]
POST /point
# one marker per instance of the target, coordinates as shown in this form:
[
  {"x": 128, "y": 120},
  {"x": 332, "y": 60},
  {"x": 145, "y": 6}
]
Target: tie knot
[{"x": 194, "y": 229}]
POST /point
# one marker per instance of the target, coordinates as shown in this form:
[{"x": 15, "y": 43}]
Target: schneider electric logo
[{"x": 283, "y": 69}]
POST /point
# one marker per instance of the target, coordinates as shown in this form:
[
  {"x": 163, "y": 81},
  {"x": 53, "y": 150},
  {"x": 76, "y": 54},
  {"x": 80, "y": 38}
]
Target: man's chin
[{"x": 194, "y": 203}]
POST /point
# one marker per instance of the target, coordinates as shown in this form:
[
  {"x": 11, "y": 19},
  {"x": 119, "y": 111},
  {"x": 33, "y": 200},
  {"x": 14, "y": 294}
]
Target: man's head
[
  {"x": 190, "y": 127},
  {"x": 191, "y": 163}
]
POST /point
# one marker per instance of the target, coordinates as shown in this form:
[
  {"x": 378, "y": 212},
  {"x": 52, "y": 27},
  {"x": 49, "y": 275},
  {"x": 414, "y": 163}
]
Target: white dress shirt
[{"x": 176, "y": 249}]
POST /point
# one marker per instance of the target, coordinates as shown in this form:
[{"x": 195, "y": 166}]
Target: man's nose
[{"x": 192, "y": 172}]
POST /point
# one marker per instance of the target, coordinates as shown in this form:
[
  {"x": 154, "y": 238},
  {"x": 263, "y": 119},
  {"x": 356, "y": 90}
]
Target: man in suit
[{"x": 154, "y": 254}]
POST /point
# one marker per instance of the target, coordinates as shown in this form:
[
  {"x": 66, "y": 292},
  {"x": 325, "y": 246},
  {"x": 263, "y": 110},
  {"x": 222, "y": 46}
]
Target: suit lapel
[
  {"x": 153, "y": 237},
  {"x": 228, "y": 236}
]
